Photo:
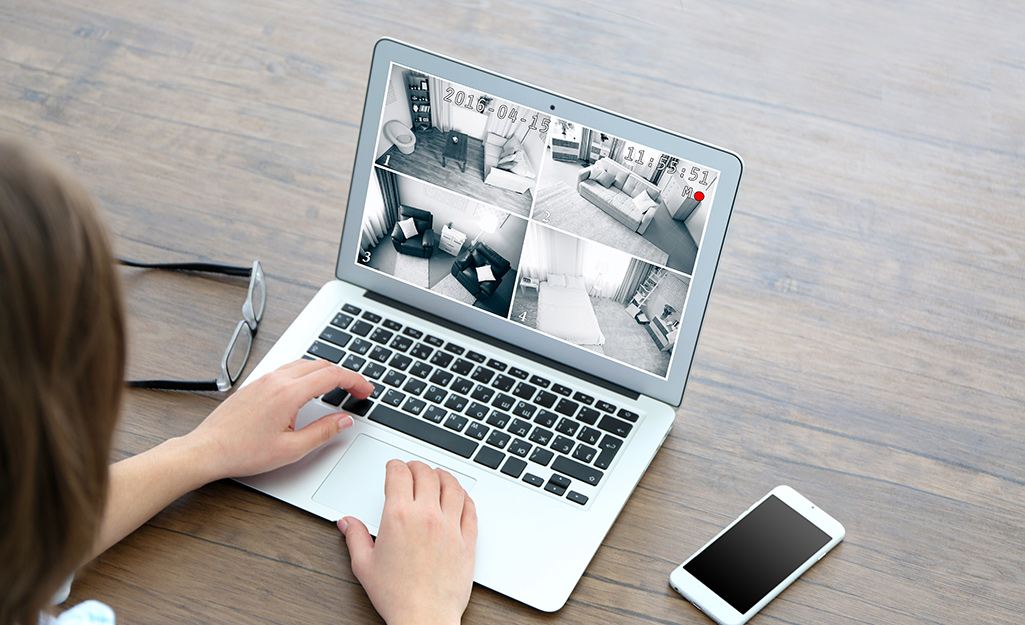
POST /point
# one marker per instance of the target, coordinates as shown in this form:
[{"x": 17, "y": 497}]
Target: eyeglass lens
[{"x": 238, "y": 353}]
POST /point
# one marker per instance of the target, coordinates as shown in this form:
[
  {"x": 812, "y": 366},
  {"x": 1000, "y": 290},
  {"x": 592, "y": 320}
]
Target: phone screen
[{"x": 757, "y": 553}]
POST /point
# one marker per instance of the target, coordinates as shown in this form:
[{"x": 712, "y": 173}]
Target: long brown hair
[{"x": 62, "y": 355}]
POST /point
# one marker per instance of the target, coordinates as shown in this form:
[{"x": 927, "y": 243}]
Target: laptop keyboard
[{"x": 502, "y": 417}]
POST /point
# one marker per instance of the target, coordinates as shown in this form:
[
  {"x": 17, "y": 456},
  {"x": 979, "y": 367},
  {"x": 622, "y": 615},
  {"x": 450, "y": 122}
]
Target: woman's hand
[
  {"x": 420, "y": 570},
  {"x": 253, "y": 430}
]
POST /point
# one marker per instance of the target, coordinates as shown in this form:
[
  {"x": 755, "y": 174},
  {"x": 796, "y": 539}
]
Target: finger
[
  {"x": 321, "y": 380},
  {"x": 361, "y": 545},
  {"x": 317, "y": 433},
  {"x": 452, "y": 495},
  {"x": 351, "y": 381},
  {"x": 426, "y": 486},
  {"x": 301, "y": 367},
  {"x": 274, "y": 380},
  {"x": 468, "y": 523},
  {"x": 398, "y": 482},
  {"x": 297, "y": 362}
]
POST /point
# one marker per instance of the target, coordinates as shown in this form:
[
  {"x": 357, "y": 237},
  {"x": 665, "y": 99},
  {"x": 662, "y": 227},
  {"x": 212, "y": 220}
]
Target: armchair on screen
[
  {"x": 480, "y": 270},
  {"x": 412, "y": 234}
]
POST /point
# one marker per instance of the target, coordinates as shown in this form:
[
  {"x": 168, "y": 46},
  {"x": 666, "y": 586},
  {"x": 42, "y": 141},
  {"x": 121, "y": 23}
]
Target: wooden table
[
  {"x": 455, "y": 149},
  {"x": 864, "y": 342}
]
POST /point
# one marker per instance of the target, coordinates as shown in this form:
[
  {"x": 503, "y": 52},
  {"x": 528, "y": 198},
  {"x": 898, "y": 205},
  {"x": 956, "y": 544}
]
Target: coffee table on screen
[{"x": 455, "y": 149}]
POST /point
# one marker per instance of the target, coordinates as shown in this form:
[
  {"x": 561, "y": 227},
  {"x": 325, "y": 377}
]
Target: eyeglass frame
[{"x": 251, "y": 316}]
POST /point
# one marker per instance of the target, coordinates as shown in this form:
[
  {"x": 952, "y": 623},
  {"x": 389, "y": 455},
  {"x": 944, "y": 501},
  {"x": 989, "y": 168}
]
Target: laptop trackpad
[{"x": 355, "y": 487}]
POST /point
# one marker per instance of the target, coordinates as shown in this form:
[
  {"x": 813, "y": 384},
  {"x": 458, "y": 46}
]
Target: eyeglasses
[{"x": 237, "y": 353}]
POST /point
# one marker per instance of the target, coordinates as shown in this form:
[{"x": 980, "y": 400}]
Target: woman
[{"x": 62, "y": 361}]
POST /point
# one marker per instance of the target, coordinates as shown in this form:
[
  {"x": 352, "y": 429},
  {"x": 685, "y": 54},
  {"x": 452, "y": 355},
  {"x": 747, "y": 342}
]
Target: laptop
[{"x": 523, "y": 277}]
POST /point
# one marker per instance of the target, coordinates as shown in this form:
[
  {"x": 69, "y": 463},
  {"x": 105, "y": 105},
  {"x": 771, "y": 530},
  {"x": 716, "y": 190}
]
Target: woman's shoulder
[{"x": 87, "y": 612}]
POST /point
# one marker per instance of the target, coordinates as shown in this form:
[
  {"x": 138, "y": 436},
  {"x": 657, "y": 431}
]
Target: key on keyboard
[
  {"x": 389, "y": 341},
  {"x": 424, "y": 431}
]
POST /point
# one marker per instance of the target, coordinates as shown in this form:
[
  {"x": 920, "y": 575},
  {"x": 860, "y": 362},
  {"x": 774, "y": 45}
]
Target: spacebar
[
  {"x": 576, "y": 470},
  {"x": 386, "y": 415}
]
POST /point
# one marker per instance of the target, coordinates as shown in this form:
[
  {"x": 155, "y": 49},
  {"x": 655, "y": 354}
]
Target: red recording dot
[{"x": 699, "y": 196}]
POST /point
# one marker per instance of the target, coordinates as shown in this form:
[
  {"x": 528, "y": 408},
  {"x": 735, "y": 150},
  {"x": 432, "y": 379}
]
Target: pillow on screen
[
  {"x": 484, "y": 274},
  {"x": 632, "y": 185},
  {"x": 408, "y": 227},
  {"x": 643, "y": 202},
  {"x": 511, "y": 156},
  {"x": 575, "y": 282},
  {"x": 512, "y": 145},
  {"x": 606, "y": 179},
  {"x": 621, "y": 177},
  {"x": 521, "y": 166},
  {"x": 557, "y": 279}
]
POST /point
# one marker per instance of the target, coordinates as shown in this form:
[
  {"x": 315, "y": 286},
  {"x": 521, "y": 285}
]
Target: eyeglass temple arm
[
  {"x": 175, "y": 385},
  {"x": 231, "y": 270}
]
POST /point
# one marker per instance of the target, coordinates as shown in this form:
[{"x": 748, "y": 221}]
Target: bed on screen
[{"x": 564, "y": 310}]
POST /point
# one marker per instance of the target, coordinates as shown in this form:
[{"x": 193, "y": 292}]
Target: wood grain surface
[{"x": 865, "y": 337}]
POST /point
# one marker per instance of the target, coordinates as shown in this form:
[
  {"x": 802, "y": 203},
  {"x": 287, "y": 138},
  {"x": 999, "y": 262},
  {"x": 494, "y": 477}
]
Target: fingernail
[
  {"x": 343, "y": 525},
  {"x": 344, "y": 421}
]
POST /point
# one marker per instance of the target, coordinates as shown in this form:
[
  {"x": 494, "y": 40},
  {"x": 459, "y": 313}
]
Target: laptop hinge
[{"x": 502, "y": 345}]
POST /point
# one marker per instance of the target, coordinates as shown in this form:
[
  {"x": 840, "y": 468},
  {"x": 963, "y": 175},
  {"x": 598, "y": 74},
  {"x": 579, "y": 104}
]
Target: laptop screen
[
  {"x": 580, "y": 235},
  {"x": 573, "y": 232}
]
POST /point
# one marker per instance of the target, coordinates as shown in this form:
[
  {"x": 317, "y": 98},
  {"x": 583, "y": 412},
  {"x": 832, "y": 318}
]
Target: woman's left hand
[{"x": 253, "y": 431}]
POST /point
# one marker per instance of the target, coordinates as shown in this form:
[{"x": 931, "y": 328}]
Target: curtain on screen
[
  {"x": 441, "y": 111},
  {"x": 382, "y": 209}
]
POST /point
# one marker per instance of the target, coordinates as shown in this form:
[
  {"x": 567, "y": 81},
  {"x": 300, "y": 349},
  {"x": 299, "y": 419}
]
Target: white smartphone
[{"x": 758, "y": 555}]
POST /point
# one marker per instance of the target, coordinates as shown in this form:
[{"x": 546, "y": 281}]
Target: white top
[{"x": 86, "y": 613}]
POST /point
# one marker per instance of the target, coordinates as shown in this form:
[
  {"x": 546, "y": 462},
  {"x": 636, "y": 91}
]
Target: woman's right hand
[
  {"x": 420, "y": 570},
  {"x": 253, "y": 431}
]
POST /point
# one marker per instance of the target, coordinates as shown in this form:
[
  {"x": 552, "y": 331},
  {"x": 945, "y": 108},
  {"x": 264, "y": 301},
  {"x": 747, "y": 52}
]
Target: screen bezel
[
  {"x": 669, "y": 389},
  {"x": 715, "y": 606}
]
